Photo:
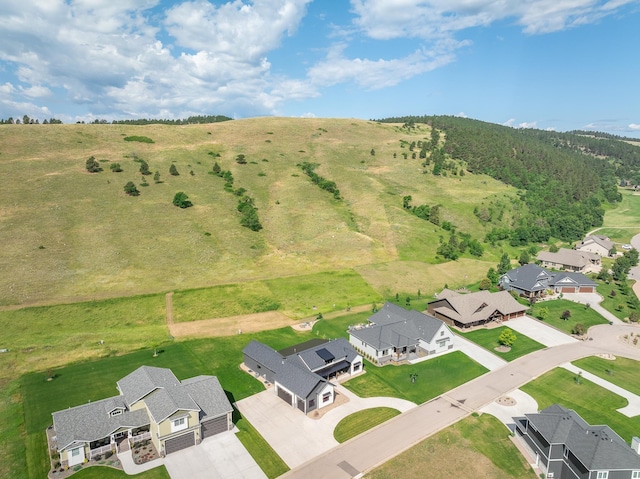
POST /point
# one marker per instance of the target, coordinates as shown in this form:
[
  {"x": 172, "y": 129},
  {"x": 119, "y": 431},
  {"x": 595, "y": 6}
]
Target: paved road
[{"x": 393, "y": 437}]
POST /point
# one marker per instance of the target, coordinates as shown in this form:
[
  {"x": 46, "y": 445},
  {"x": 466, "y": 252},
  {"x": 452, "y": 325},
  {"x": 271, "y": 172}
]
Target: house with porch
[
  {"x": 301, "y": 375},
  {"x": 152, "y": 405},
  {"x": 533, "y": 281},
  {"x": 394, "y": 334},
  {"x": 565, "y": 446},
  {"x": 466, "y": 310},
  {"x": 571, "y": 260}
]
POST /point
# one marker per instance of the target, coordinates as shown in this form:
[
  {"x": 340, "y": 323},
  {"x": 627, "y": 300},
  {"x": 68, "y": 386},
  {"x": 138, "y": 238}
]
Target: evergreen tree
[
  {"x": 181, "y": 200},
  {"x": 130, "y": 189},
  {"x": 173, "y": 171},
  {"x": 92, "y": 165},
  {"x": 504, "y": 265}
]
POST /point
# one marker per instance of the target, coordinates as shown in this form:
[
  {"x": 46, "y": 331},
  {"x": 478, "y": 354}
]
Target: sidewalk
[
  {"x": 630, "y": 410},
  {"x": 131, "y": 468}
]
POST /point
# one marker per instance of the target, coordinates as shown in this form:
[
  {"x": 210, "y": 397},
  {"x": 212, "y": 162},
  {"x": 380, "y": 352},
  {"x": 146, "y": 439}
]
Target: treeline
[
  {"x": 327, "y": 185},
  {"x": 29, "y": 121},
  {"x": 563, "y": 189},
  {"x": 197, "y": 119},
  {"x": 246, "y": 204}
]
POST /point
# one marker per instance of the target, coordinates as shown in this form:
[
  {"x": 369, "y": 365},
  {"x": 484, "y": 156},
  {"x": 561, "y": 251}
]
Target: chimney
[{"x": 635, "y": 444}]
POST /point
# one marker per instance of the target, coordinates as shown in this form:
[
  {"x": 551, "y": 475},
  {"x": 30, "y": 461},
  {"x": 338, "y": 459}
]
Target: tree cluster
[
  {"x": 623, "y": 264},
  {"x": 197, "y": 119},
  {"x": 249, "y": 212},
  {"x": 327, "y": 185},
  {"x": 181, "y": 200},
  {"x": 92, "y": 165},
  {"x": 29, "y": 121}
]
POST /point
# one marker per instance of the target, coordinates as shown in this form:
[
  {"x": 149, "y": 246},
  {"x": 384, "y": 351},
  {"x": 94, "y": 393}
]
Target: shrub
[
  {"x": 130, "y": 189},
  {"x": 181, "y": 200},
  {"x": 92, "y": 165},
  {"x": 579, "y": 329},
  {"x": 141, "y": 139}
]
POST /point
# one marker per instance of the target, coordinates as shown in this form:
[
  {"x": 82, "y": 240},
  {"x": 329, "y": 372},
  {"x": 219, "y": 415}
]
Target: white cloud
[
  {"x": 634, "y": 126},
  {"x": 308, "y": 115},
  {"x": 529, "y": 124},
  {"x": 509, "y": 122},
  {"x": 462, "y": 115},
  {"x": 385, "y": 19}
]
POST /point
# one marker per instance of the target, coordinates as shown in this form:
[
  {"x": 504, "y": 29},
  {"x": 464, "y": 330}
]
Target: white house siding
[
  {"x": 78, "y": 458},
  {"x": 364, "y": 348},
  {"x": 440, "y": 342},
  {"x": 356, "y": 363},
  {"x": 328, "y": 389}
]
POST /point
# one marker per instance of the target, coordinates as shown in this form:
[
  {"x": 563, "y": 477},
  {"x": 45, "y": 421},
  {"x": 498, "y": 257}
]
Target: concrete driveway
[
  {"x": 298, "y": 438},
  {"x": 539, "y": 331},
  {"x": 219, "y": 457}
]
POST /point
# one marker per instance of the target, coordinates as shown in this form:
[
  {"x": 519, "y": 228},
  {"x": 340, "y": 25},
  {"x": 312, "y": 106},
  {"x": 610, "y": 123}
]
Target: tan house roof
[
  {"x": 480, "y": 306},
  {"x": 569, "y": 258},
  {"x": 599, "y": 240}
]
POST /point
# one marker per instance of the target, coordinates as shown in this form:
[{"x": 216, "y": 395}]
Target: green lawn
[
  {"x": 622, "y": 372},
  {"x": 595, "y": 404},
  {"x": 294, "y": 296},
  {"x": 619, "y": 304},
  {"x": 579, "y": 314},
  {"x": 101, "y": 472},
  {"x": 362, "y": 421},
  {"x": 270, "y": 463},
  {"x": 477, "y": 446},
  {"x": 435, "y": 377},
  {"x": 488, "y": 339}
]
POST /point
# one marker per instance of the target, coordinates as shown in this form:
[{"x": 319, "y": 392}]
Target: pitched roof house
[
  {"x": 597, "y": 244},
  {"x": 565, "y": 446},
  {"x": 301, "y": 378},
  {"x": 396, "y": 334},
  {"x": 153, "y": 404},
  {"x": 474, "y": 309},
  {"x": 571, "y": 260},
  {"x": 532, "y": 281}
]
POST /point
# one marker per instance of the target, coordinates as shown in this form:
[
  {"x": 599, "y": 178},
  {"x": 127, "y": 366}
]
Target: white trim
[{"x": 179, "y": 424}]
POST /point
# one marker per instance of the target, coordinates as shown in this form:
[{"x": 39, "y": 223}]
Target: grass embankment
[
  {"x": 434, "y": 377},
  {"x": 362, "y": 421},
  {"x": 488, "y": 339},
  {"x": 618, "y": 299},
  {"x": 475, "y": 447},
  {"x": 579, "y": 313},
  {"x": 595, "y": 404},
  {"x": 82, "y": 237}
]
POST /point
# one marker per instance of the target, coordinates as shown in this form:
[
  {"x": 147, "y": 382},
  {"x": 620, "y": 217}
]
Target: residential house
[
  {"x": 395, "y": 334},
  {"x": 153, "y": 404},
  {"x": 571, "y": 260},
  {"x": 565, "y": 446},
  {"x": 597, "y": 244},
  {"x": 301, "y": 375},
  {"x": 475, "y": 309},
  {"x": 533, "y": 281}
]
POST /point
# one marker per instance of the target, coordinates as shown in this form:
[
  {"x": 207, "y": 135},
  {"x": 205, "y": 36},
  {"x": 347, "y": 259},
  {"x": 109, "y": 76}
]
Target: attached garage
[
  {"x": 179, "y": 443},
  {"x": 587, "y": 289},
  {"x": 285, "y": 395},
  {"x": 214, "y": 426}
]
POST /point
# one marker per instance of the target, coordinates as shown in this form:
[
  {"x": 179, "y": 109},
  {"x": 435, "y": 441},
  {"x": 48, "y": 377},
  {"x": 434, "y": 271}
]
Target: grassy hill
[{"x": 70, "y": 235}]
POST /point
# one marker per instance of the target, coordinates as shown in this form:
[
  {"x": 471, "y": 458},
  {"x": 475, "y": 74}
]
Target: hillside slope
[{"x": 68, "y": 234}]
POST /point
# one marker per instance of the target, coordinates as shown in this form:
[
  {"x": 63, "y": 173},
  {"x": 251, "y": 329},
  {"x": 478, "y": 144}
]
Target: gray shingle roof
[
  {"x": 597, "y": 447},
  {"x": 340, "y": 349},
  {"x": 533, "y": 278},
  {"x": 393, "y": 326},
  {"x": 161, "y": 391},
  {"x": 93, "y": 421},
  {"x": 208, "y": 394}
]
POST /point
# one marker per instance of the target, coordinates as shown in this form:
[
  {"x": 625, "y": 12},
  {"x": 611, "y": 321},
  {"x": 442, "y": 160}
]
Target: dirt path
[
  {"x": 246, "y": 323},
  {"x": 169, "y": 307}
]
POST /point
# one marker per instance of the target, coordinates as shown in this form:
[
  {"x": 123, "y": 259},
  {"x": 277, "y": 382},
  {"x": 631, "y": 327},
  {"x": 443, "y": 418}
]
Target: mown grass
[
  {"x": 395, "y": 381},
  {"x": 622, "y": 372},
  {"x": 621, "y": 223},
  {"x": 488, "y": 339},
  {"x": 361, "y": 421},
  {"x": 621, "y": 303},
  {"x": 579, "y": 314},
  {"x": 261, "y": 451},
  {"x": 477, "y": 446},
  {"x": 595, "y": 404},
  {"x": 102, "y": 472},
  {"x": 297, "y": 297}
]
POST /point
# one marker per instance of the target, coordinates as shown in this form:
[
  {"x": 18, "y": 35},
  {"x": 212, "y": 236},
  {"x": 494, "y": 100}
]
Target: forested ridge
[{"x": 565, "y": 177}]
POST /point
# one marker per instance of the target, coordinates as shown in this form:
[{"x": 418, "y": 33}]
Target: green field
[
  {"x": 395, "y": 381},
  {"x": 488, "y": 339},
  {"x": 362, "y": 421},
  {"x": 595, "y": 404},
  {"x": 579, "y": 314},
  {"x": 81, "y": 237},
  {"x": 477, "y": 446}
]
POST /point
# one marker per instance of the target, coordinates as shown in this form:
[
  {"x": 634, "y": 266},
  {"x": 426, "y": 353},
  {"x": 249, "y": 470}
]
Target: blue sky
[{"x": 549, "y": 64}]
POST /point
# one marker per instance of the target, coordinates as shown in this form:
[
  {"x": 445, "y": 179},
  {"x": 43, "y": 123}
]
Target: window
[
  {"x": 603, "y": 475},
  {"x": 565, "y": 453},
  {"x": 441, "y": 333},
  {"x": 326, "y": 397},
  {"x": 75, "y": 452},
  {"x": 635, "y": 475},
  {"x": 117, "y": 412},
  {"x": 179, "y": 424},
  {"x": 356, "y": 367}
]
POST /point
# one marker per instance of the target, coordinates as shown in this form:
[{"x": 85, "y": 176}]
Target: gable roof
[
  {"x": 600, "y": 240},
  {"x": 393, "y": 326},
  {"x": 338, "y": 349},
  {"x": 569, "y": 257},
  {"x": 597, "y": 447},
  {"x": 162, "y": 393},
  {"x": 529, "y": 277},
  {"x": 93, "y": 421},
  {"x": 479, "y": 306}
]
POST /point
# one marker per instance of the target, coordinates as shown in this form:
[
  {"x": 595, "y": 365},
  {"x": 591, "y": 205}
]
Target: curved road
[{"x": 391, "y": 438}]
